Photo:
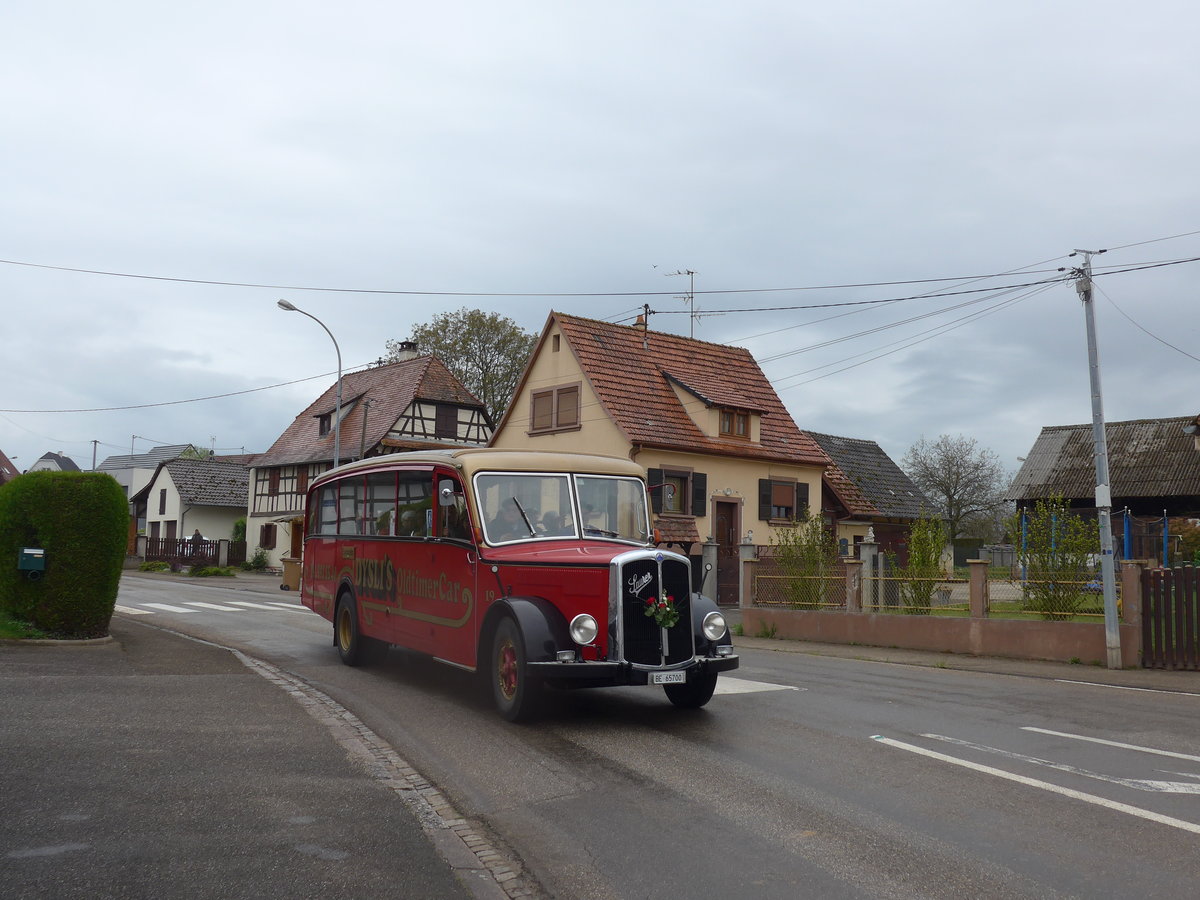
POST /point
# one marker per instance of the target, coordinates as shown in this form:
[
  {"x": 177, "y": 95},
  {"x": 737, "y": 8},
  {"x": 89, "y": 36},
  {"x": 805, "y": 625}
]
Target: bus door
[{"x": 436, "y": 585}]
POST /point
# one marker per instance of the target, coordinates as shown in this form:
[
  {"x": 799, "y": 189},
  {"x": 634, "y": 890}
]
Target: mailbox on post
[{"x": 31, "y": 561}]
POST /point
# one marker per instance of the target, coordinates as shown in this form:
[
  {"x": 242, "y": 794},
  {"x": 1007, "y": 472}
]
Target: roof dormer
[{"x": 719, "y": 411}]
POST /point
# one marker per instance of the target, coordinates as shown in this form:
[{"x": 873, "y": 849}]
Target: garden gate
[{"x": 1171, "y": 618}]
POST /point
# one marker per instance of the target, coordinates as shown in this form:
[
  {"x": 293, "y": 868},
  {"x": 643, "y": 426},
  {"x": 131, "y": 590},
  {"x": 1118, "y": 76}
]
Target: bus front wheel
[
  {"x": 517, "y": 696},
  {"x": 694, "y": 693}
]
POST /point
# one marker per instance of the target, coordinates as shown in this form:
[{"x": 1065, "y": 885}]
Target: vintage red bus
[{"x": 534, "y": 569}]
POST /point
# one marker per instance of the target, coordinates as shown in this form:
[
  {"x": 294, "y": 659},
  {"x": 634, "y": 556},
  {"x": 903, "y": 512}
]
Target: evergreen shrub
[{"x": 80, "y": 520}]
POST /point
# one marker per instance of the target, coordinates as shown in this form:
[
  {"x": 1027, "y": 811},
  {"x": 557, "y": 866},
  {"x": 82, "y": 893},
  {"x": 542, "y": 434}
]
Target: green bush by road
[{"x": 80, "y": 520}]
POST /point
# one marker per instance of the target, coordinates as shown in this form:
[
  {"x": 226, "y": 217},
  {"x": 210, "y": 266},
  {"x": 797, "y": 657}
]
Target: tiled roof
[
  {"x": 1146, "y": 458},
  {"x": 7, "y": 469},
  {"x": 633, "y": 385},
  {"x": 390, "y": 388},
  {"x": 208, "y": 482},
  {"x": 64, "y": 463},
  {"x": 867, "y": 481}
]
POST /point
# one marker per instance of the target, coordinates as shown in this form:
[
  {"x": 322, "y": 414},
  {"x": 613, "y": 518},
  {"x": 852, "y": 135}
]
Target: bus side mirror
[{"x": 446, "y": 493}]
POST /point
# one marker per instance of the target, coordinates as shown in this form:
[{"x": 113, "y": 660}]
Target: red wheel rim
[{"x": 506, "y": 669}]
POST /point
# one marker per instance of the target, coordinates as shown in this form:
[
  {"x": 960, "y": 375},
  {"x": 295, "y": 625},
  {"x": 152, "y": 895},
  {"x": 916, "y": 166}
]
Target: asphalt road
[{"x": 807, "y": 776}]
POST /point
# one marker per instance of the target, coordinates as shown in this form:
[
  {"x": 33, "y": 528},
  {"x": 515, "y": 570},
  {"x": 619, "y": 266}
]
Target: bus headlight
[
  {"x": 584, "y": 629},
  {"x": 714, "y": 626}
]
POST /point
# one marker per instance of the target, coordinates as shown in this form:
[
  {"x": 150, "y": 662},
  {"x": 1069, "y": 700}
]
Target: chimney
[{"x": 406, "y": 350}]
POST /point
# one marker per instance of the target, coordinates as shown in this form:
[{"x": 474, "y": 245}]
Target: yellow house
[{"x": 725, "y": 462}]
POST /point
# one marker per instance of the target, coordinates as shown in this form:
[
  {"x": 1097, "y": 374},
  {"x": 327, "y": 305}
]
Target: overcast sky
[{"x": 591, "y": 148}]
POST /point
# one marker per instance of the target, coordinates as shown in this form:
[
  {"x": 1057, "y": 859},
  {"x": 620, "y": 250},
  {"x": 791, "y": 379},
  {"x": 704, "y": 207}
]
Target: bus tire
[
  {"x": 517, "y": 696},
  {"x": 353, "y": 647},
  {"x": 692, "y": 694}
]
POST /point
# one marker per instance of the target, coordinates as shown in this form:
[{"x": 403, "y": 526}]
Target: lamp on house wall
[{"x": 337, "y": 412}]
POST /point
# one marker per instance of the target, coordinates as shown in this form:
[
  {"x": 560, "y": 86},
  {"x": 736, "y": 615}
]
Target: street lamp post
[{"x": 337, "y": 412}]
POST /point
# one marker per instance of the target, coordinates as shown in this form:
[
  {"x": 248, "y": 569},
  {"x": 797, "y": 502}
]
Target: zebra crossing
[{"x": 148, "y": 608}]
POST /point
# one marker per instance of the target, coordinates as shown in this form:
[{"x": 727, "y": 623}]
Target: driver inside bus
[{"x": 509, "y": 524}]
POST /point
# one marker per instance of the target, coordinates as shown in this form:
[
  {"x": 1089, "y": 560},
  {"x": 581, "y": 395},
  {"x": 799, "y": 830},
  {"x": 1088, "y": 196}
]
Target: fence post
[
  {"x": 868, "y": 552},
  {"x": 1131, "y": 593},
  {"x": 223, "y": 552},
  {"x": 853, "y": 585},
  {"x": 980, "y": 601},
  {"x": 708, "y": 562},
  {"x": 747, "y": 562}
]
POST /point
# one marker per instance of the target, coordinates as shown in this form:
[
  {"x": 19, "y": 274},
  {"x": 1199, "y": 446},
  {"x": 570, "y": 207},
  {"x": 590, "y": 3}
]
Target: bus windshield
[{"x": 523, "y": 507}]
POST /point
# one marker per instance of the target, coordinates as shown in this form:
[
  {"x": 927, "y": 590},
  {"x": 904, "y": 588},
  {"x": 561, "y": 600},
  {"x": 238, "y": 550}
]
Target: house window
[
  {"x": 266, "y": 536},
  {"x": 302, "y": 479},
  {"x": 555, "y": 410},
  {"x": 677, "y": 492},
  {"x": 162, "y": 502},
  {"x": 782, "y": 500},
  {"x": 273, "y": 483},
  {"x": 735, "y": 423},
  {"x": 324, "y": 424},
  {"x": 446, "y": 423}
]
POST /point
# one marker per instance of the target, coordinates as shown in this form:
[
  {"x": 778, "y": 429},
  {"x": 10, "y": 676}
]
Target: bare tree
[
  {"x": 964, "y": 482},
  {"x": 486, "y": 351}
]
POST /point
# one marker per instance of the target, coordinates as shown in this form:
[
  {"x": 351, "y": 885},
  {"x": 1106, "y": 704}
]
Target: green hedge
[{"x": 81, "y": 520}]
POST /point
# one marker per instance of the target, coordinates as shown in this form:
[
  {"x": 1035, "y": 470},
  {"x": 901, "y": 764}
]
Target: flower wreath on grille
[{"x": 662, "y": 611}]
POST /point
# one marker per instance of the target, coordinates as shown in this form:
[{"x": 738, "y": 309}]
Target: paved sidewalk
[{"x": 155, "y": 766}]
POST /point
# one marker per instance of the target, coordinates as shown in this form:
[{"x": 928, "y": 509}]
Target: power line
[
  {"x": 929, "y": 334},
  {"x": 178, "y": 402},
  {"x": 1144, "y": 330},
  {"x": 419, "y": 293}
]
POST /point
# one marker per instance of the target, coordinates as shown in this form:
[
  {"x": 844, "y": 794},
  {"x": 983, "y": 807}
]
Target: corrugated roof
[
  {"x": 872, "y": 483},
  {"x": 1146, "y": 458},
  {"x": 148, "y": 460},
  {"x": 209, "y": 482},
  {"x": 633, "y": 385},
  {"x": 390, "y": 388}
]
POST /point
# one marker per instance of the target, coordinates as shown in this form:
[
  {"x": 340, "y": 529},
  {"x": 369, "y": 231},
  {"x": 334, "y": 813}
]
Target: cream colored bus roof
[{"x": 470, "y": 460}]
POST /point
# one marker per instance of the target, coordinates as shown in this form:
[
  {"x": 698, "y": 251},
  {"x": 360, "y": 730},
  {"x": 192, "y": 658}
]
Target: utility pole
[
  {"x": 94, "y": 445},
  {"x": 1112, "y": 631}
]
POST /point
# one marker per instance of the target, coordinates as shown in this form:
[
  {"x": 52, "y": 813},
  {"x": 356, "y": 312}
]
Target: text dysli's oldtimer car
[{"x": 536, "y": 569}]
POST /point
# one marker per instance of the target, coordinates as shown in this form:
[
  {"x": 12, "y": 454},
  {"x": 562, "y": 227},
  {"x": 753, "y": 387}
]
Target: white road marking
[
  {"x": 249, "y": 605},
  {"x": 217, "y": 606},
  {"x": 130, "y": 611},
  {"x": 1162, "y": 787},
  {"x": 1096, "y": 740},
  {"x": 728, "y": 685},
  {"x": 1123, "y": 687},
  {"x": 167, "y": 607},
  {"x": 1044, "y": 785}
]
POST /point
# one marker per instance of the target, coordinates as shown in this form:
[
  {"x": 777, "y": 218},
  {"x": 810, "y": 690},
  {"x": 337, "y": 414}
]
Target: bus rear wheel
[
  {"x": 517, "y": 695},
  {"x": 353, "y": 647}
]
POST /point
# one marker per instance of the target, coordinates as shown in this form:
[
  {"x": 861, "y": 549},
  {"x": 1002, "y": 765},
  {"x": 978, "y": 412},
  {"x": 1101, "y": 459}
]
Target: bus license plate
[{"x": 668, "y": 677}]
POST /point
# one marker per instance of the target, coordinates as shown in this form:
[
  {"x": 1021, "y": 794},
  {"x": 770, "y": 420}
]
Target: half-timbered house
[{"x": 415, "y": 404}]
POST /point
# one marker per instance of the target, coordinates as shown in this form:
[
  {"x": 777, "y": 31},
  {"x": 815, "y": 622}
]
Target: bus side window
[
  {"x": 453, "y": 521},
  {"x": 380, "y": 511},
  {"x": 327, "y": 511},
  {"x": 350, "y": 493},
  {"x": 413, "y": 495}
]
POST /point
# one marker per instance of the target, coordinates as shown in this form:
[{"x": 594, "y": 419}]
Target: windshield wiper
[{"x": 528, "y": 524}]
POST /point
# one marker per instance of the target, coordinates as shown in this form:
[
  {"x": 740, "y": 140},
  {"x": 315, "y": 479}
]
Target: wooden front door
[{"x": 727, "y": 528}]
